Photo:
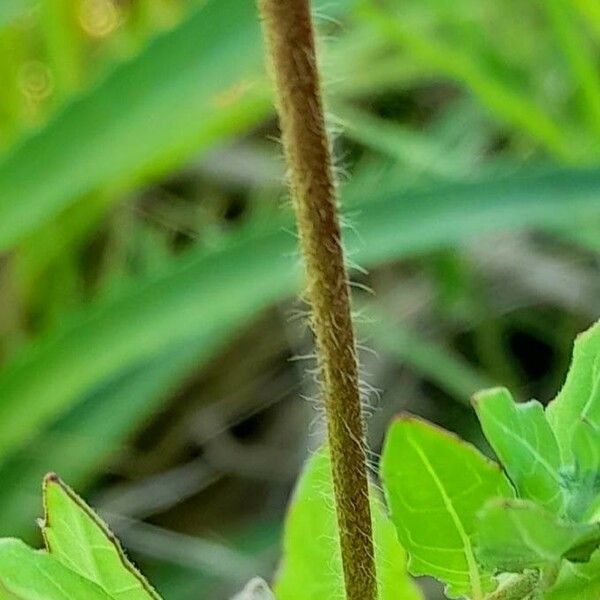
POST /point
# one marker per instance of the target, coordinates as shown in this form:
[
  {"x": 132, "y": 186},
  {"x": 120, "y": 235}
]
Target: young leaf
[
  {"x": 525, "y": 444},
  {"x": 580, "y": 395},
  {"x": 582, "y": 480},
  {"x": 580, "y": 581},
  {"x": 78, "y": 539},
  {"x": 436, "y": 484},
  {"x": 27, "y": 574},
  {"x": 514, "y": 535},
  {"x": 311, "y": 568}
]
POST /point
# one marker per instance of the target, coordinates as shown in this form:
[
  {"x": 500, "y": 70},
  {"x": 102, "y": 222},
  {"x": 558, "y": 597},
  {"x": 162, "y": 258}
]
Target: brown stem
[{"x": 291, "y": 49}]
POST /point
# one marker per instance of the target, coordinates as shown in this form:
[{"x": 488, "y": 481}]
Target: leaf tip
[
  {"x": 51, "y": 478},
  {"x": 406, "y": 417},
  {"x": 482, "y": 395}
]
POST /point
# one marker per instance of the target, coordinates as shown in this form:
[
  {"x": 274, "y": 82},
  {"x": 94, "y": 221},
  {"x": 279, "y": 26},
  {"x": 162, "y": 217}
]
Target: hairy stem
[{"x": 291, "y": 50}]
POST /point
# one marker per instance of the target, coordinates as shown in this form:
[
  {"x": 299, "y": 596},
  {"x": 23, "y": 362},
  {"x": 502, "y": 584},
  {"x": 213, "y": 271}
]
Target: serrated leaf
[
  {"x": 436, "y": 484},
  {"x": 27, "y": 574},
  {"x": 578, "y": 581},
  {"x": 580, "y": 396},
  {"x": 525, "y": 444},
  {"x": 78, "y": 539},
  {"x": 311, "y": 568},
  {"x": 514, "y": 535}
]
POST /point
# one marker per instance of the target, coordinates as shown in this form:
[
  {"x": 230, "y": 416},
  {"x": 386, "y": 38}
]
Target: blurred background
[{"x": 152, "y": 349}]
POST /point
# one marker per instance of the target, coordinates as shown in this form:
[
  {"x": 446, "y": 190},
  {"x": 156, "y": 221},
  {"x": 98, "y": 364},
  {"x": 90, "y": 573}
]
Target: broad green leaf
[
  {"x": 311, "y": 568},
  {"x": 578, "y": 581},
  {"x": 513, "y": 535},
  {"x": 77, "y": 538},
  {"x": 525, "y": 444},
  {"x": 251, "y": 271},
  {"x": 580, "y": 396},
  {"x": 27, "y": 574},
  {"x": 436, "y": 484}
]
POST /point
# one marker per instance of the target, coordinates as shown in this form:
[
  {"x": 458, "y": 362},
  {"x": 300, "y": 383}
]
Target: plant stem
[{"x": 291, "y": 48}]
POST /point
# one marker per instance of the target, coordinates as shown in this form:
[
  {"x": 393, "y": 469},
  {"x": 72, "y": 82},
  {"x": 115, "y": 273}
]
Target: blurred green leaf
[
  {"x": 579, "y": 56},
  {"x": 11, "y": 10},
  {"x": 81, "y": 442},
  {"x": 525, "y": 444},
  {"x": 201, "y": 295},
  {"x": 191, "y": 85},
  {"x": 590, "y": 10},
  {"x": 514, "y": 535},
  {"x": 435, "y": 485},
  {"x": 506, "y": 102},
  {"x": 414, "y": 149},
  {"x": 255, "y": 268},
  {"x": 78, "y": 539},
  {"x": 27, "y": 574},
  {"x": 450, "y": 372},
  {"x": 312, "y": 567}
]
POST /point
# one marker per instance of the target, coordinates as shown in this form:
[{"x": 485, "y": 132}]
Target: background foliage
[{"x": 148, "y": 268}]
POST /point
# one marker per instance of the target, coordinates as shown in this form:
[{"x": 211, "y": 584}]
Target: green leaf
[
  {"x": 578, "y": 581},
  {"x": 580, "y": 395},
  {"x": 311, "y": 568},
  {"x": 435, "y": 485},
  {"x": 219, "y": 287},
  {"x": 586, "y": 446},
  {"x": 514, "y": 535},
  {"x": 77, "y": 538},
  {"x": 506, "y": 102},
  {"x": 582, "y": 481},
  {"x": 80, "y": 443},
  {"x": 256, "y": 589},
  {"x": 453, "y": 374},
  {"x": 11, "y": 10},
  {"x": 525, "y": 444},
  {"x": 191, "y": 85},
  {"x": 250, "y": 271},
  {"x": 27, "y": 574},
  {"x": 575, "y": 417}
]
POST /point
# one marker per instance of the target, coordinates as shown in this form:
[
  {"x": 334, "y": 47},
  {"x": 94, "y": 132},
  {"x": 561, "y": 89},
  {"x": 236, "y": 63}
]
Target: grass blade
[
  {"x": 190, "y": 85},
  {"x": 255, "y": 269}
]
